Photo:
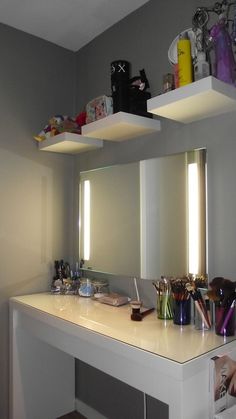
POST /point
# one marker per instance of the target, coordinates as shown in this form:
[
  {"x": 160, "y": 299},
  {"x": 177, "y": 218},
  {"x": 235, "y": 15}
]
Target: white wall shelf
[
  {"x": 70, "y": 143},
  {"x": 121, "y": 126},
  {"x": 198, "y": 100}
]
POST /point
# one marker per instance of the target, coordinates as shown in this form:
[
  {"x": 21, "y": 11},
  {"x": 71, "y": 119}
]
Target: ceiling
[{"x": 68, "y": 23}]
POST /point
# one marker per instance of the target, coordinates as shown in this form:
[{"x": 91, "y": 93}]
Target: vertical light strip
[
  {"x": 86, "y": 220},
  {"x": 193, "y": 218}
]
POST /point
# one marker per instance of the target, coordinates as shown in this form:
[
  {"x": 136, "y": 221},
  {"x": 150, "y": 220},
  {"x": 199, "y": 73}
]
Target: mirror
[{"x": 145, "y": 219}]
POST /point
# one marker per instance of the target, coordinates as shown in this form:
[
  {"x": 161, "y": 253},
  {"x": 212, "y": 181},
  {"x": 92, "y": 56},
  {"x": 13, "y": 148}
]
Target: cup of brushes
[
  {"x": 223, "y": 294},
  {"x": 174, "y": 297},
  {"x": 164, "y": 299}
]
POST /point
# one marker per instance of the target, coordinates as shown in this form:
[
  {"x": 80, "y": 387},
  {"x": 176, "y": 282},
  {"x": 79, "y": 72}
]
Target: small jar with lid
[{"x": 86, "y": 288}]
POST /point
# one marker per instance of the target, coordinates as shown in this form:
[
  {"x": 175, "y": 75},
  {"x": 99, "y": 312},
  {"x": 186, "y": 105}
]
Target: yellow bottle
[{"x": 185, "y": 69}]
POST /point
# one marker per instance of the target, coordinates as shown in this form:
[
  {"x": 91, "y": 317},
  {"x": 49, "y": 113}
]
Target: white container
[{"x": 201, "y": 67}]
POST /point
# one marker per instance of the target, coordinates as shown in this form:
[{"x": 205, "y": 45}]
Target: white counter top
[
  {"x": 163, "y": 338},
  {"x": 166, "y": 361}
]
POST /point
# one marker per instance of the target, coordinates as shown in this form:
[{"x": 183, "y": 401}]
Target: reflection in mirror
[{"x": 145, "y": 219}]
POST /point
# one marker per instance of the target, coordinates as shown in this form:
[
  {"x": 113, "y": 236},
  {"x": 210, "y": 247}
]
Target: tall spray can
[{"x": 185, "y": 68}]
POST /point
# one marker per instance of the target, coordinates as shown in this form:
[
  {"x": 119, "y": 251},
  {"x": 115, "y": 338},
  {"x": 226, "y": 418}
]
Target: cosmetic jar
[
  {"x": 135, "y": 310},
  {"x": 101, "y": 287}
]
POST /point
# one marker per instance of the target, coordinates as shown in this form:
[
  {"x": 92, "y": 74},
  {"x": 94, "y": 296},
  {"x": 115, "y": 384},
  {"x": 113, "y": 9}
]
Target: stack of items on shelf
[
  {"x": 128, "y": 94},
  {"x": 201, "y": 51},
  {"x": 61, "y": 123}
]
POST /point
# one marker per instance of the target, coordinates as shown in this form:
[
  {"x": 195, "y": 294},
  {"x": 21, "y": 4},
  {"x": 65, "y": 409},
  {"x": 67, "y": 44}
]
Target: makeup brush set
[
  {"x": 223, "y": 293},
  {"x": 174, "y": 296}
]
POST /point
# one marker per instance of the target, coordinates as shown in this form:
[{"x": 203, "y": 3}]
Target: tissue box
[{"x": 98, "y": 108}]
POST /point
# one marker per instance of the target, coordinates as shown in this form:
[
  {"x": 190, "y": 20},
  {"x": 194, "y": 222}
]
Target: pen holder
[
  {"x": 182, "y": 311},
  {"x": 164, "y": 306},
  {"x": 225, "y": 319}
]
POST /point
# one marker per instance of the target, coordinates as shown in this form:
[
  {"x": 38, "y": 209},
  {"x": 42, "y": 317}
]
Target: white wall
[{"x": 36, "y": 194}]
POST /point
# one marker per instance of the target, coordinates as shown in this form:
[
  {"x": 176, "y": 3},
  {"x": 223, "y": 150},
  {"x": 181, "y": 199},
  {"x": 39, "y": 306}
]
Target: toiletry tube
[{"x": 184, "y": 60}]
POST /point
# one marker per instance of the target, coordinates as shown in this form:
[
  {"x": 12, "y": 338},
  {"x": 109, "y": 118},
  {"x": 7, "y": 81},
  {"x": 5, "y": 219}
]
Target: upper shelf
[
  {"x": 70, "y": 143},
  {"x": 198, "y": 100},
  {"x": 121, "y": 126}
]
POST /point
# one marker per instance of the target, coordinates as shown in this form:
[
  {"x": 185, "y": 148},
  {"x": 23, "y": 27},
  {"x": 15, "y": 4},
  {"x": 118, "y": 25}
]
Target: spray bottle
[{"x": 184, "y": 60}]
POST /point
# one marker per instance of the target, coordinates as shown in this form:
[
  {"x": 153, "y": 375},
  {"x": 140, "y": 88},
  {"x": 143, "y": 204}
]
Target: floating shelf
[
  {"x": 121, "y": 126},
  {"x": 70, "y": 143},
  {"x": 198, "y": 100}
]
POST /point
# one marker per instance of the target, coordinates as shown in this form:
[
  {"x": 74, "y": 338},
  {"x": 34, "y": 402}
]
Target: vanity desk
[{"x": 163, "y": 360}]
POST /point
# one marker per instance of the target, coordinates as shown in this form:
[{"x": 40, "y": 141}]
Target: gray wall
[
  {"x": 36, "y": 82},
  {"x": 143, "y": 39},
  {"x": 39, "y": 202}
]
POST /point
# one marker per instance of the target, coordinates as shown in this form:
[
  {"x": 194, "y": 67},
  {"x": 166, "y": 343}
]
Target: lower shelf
[
  {"x": 69, "y": 143},
  {"x": 121, "y": 126}
]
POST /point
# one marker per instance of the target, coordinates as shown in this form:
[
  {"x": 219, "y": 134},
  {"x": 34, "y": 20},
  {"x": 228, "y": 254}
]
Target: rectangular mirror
[{"x": 147, "y": 218}]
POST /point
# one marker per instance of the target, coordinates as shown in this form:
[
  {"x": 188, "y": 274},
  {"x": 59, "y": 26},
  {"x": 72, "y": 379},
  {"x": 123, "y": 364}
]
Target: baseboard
[{"x": 87, "y": 411}]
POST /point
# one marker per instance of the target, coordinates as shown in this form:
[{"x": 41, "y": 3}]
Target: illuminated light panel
[
  {"x": 86, "y": 220},
  {"x": 193, "y": 218}
]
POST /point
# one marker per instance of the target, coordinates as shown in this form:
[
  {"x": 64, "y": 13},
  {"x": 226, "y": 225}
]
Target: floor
[{"x": 72, "y": 415}]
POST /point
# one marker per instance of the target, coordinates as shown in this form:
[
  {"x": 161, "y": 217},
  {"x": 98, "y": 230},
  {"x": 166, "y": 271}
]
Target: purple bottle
[{"x": 225, "y": 67}]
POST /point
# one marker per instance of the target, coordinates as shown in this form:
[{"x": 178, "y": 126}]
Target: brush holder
[
  {"x": 198, "y": 320},
  {"x": 225, "y": 319},
  {"x": 164, "y": 306},
  {"x": 182, "y": 312}
]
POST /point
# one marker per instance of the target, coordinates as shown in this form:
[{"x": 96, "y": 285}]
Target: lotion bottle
[
  {"x": 201, "y": 67},
  {"x": 184, "y": 60}
]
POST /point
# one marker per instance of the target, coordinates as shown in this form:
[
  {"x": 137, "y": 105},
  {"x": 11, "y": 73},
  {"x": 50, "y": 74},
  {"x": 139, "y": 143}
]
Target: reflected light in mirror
[
  {"x": 86, "y": 220},
  {"x": 193, "y": 218}
]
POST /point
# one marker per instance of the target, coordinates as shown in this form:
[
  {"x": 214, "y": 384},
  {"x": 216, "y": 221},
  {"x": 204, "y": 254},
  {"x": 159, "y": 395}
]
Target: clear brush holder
[
  {"x": 200, "y": 322},
  {"x": 164, "y": 306}
]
